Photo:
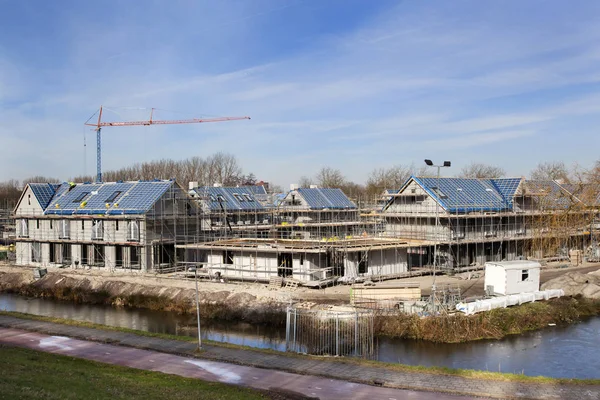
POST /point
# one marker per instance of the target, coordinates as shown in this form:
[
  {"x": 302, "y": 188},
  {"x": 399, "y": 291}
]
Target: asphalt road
[{"x": 312, "y": 386}]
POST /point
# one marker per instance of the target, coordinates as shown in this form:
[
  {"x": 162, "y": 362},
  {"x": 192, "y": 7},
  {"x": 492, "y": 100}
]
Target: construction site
[{"x": 312, "y": 236}]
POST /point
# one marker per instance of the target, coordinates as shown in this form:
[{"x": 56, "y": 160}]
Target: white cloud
[{"x": 414, "y": 78}]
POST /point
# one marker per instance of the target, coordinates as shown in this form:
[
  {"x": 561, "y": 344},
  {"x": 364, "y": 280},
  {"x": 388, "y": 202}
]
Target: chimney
[
  {"x": 314, "y": 186},
  {"x": 218, "y": 184},
  {"x": 294, "y": 186},
  {"x": 193, "y": 185}
]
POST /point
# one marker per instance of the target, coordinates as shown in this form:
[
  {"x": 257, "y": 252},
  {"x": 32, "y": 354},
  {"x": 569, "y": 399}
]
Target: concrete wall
[
  {"x": 379, "y": 262},
  {"x": 28, "y": 204},
  {"x": 80, "y": 229},
  {"x": 263, "y": 265}
]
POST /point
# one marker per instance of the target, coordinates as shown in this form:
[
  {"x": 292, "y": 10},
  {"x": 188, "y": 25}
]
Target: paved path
[
  {"x": 259, "y": 378},
  {"x": 375, "y": 375}
]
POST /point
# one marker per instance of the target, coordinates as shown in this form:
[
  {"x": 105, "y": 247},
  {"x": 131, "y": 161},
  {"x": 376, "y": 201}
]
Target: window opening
[
  {"x": 113, "y": 196},
  {"x": 66, "y": 253},
  {"x": 439, "y": 193},
  {"x": 81, "y": 196},
  {"x": 85, "y": 254},
  {"x": 227, "y": 257},
  {"x": 363, "y": 263}
]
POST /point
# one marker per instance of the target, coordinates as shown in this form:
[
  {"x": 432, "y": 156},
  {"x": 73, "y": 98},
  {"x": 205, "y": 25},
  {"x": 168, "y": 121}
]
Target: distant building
[
  {"x": 310, "y": 213},
  {"x": 239, "y": 211}
]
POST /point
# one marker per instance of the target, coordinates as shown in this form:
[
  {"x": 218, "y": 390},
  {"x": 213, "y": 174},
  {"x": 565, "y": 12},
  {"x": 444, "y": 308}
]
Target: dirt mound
[
  {"x": 574, "y": 283},
  {"x": 10, "y": 280}
]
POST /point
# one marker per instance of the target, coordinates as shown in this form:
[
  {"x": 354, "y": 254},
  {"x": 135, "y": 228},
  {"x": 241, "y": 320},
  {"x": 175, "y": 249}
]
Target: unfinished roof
[
  {"x": 463, "y": 195},
  {"x": 44, "y": 192},
  {"x": 109, "y": 198},
  {"x": 230, "y": 198},
  {"x": 548, "y": 194},
  {"x": 294, "y": 245},
  {"x": 588, "y": 193}
]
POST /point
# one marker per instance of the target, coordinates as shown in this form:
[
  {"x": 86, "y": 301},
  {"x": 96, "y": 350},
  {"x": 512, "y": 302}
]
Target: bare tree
[
  {"x": 480, "y": 170},
  {"x": 388, "y": 178},
  {"x": 39, "y": 179},
  {"x": 330, "y": 178},
  {"x": 305, "y": 182},
  {"x": 224, "y": 169},
  {"x": 550, "y": 171}
]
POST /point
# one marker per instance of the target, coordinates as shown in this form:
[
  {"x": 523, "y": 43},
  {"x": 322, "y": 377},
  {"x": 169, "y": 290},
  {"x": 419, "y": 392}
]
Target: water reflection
[
  {"x": 148, "y": 320},
  {"x": 565, "y": 352}
]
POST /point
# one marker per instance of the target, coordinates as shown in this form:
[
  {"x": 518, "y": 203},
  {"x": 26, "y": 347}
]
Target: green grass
[
  {"x": 467, "y": 373},
  {"x": 29, "y": 374}
]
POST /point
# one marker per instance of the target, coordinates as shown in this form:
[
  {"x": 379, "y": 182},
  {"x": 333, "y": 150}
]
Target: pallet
[
  {"x": 291, "y": 284},
  {"x": 275, "y": 283}
]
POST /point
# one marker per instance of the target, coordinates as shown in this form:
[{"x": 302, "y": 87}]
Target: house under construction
[
  {"x": 477, "y": 220},
  {"x": 312, "y": 235},
  {"x": 119, "y": 225}
]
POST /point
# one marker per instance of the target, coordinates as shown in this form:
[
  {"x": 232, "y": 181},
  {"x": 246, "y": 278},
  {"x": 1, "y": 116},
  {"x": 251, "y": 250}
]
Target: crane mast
[{"x": 100, "y": 124}]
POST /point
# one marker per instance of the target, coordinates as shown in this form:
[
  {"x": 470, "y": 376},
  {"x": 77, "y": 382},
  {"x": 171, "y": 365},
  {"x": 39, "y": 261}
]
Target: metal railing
[{"x": 330, "y": 333}]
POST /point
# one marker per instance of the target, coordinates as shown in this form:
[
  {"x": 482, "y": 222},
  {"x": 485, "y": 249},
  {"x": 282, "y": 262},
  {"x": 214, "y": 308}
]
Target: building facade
[{"x": 129, "y": 225}]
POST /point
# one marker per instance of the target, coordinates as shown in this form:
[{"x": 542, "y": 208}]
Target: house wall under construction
[
  {"x": 304, "y": 261},
  {"x": 120, "y": 225},
  {"x": 478, "y": 220}
]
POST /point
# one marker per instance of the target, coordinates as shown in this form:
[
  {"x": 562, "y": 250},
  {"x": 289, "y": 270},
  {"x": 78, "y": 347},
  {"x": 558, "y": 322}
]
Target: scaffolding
[
  {"x": 544, "y": 222},
  {"x": 313, "y": 246}
]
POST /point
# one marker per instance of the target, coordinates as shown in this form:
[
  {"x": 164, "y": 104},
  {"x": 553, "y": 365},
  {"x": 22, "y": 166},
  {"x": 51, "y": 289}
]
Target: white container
[{"x": 512, "y": 277}]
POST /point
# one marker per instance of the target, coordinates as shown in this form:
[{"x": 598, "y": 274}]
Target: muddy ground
[{"x": 123, "y": 285}]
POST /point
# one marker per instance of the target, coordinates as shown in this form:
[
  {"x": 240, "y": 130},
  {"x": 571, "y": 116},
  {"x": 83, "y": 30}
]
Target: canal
[{"x": 561, "y": 352}]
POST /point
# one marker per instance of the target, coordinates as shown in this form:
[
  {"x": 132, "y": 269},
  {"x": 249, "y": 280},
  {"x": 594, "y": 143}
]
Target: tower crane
[{"x": 100, "y": 124}]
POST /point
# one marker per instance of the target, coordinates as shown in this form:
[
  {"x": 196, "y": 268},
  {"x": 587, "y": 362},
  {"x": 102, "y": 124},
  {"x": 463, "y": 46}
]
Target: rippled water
[{"x": 566, "y": 352}]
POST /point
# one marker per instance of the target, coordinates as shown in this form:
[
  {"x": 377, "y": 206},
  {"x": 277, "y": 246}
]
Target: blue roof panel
[
  {"x": 465, "y": 195},
  {"x": 44, "y": 192},
  {"x": 321, "y": 198},
  {"x": 107, "y": 198},
  {"x": 230, "y": 198},
  {"x": 507, "y": 187}
]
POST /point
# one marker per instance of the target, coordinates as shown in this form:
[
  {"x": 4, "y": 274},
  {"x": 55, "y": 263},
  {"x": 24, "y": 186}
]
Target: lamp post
[
  {"x": 446, "y": 164},
  {"x": 195, "y": 269}
]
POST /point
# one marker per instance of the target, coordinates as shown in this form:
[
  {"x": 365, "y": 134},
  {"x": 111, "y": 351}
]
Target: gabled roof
[
  {"x": 44, "y": 192},
  {"x": 326, "y": 198},
  {"x": 549, "y": 194},
  {"x": 108, "y": 198},
  {"x": 229, "y": 198},
  {"x": 463, "y": 195},
  {"x": 507, "y": 187}
]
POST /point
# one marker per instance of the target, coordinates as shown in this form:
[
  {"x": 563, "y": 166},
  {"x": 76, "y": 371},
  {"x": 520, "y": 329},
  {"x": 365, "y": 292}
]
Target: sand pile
[{"x": 574, "y": 283}]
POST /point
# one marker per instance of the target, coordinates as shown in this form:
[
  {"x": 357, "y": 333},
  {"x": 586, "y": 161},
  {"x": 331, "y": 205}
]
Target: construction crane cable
[{"x": 92, "y": 116}]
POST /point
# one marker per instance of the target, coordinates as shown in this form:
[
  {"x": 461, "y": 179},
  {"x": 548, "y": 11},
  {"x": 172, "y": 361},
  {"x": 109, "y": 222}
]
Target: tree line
[{"x": 224, "y": 168}]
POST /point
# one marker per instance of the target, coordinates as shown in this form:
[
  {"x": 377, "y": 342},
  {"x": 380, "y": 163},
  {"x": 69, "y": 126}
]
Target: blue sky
[{"x": 350, "y": 84}]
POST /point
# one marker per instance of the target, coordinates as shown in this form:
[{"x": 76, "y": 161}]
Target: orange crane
[{"x": 100, "y": 124}]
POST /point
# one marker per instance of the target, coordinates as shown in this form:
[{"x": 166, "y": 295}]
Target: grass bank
[
  {"x": 494, "y": 324},
  {"x": 213, "y": 307},
  {"x": 29, "y": 374},
  {"x": 467, "y": 373}
]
